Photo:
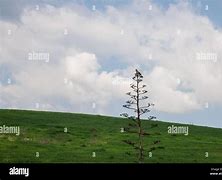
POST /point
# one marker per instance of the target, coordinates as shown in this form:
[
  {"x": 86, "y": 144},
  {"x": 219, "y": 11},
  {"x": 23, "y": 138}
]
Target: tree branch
[{"x": 128, "y": 106}]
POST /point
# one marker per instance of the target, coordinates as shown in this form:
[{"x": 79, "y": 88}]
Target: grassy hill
[{"x": 43, "y": 132}]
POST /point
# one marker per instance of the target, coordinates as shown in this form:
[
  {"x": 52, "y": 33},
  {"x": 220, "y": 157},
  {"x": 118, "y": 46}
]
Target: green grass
[{"x": 43, "y": 132}]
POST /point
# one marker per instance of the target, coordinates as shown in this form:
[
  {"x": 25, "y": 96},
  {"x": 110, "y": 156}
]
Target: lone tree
[{"x": 137, "y": 95}]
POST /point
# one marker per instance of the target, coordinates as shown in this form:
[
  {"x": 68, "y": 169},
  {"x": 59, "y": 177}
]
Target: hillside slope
[{"x": 42, "y": 139}]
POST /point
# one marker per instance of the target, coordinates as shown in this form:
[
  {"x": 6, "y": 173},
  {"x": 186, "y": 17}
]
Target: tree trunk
[{"x": 139, "y": 124}]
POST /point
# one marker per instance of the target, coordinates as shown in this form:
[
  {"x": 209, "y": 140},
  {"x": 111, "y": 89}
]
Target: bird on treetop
[{"x": 138, "y": 73}]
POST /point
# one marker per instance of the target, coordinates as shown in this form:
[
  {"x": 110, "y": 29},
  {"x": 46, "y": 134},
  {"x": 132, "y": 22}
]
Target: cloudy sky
[{"x": 79, "y": 56}]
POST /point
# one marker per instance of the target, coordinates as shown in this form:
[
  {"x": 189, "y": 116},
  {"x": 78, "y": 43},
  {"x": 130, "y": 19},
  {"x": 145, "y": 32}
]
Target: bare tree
[{"x": 137, "y": 95}]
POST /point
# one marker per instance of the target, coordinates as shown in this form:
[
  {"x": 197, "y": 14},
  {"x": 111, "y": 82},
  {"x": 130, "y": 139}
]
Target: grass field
[{"x": 43, "y": 133}]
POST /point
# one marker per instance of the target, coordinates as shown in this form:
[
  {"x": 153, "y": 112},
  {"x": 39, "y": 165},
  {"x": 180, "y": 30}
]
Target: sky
[{"x": 79, "y": 56}]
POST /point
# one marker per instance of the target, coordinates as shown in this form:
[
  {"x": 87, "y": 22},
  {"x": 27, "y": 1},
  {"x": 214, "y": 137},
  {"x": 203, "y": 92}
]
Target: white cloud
[
  {"x": 81, "y": 65},
  {"x": 166, "y": 95},
  {"x": 74, "y": 77}
]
